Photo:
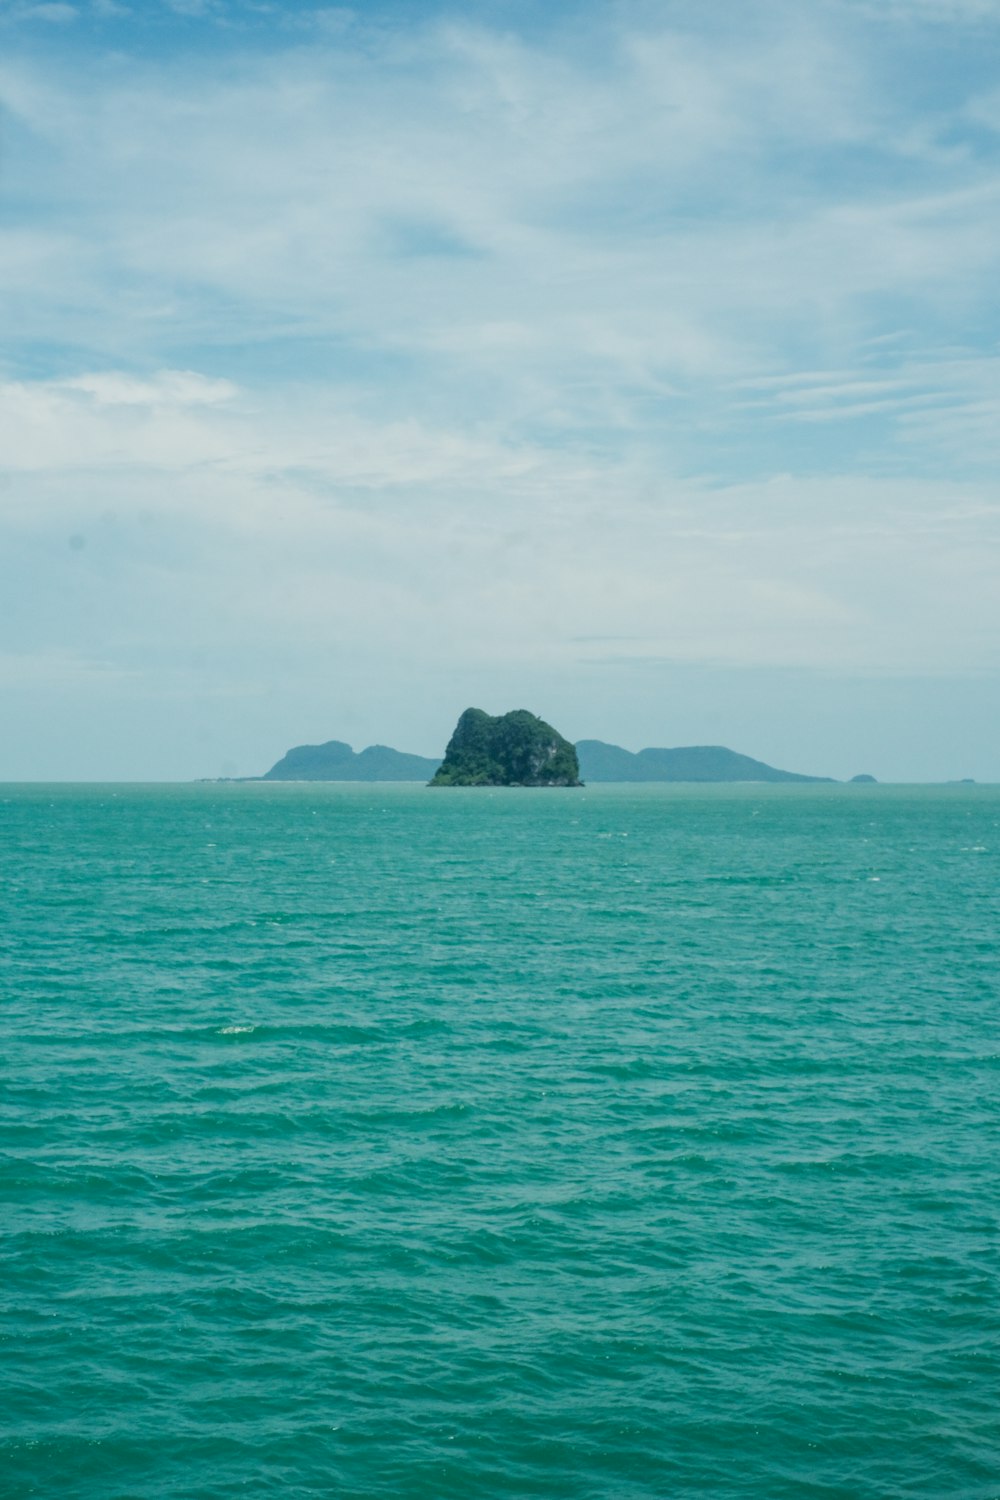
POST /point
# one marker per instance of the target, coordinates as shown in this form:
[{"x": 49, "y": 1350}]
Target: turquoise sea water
[{"x": 370, "y": 1141}]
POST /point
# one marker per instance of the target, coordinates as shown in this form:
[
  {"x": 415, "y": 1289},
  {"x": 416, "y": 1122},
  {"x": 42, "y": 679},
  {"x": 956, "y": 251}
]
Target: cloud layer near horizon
[{"x": 404, "y": 349}]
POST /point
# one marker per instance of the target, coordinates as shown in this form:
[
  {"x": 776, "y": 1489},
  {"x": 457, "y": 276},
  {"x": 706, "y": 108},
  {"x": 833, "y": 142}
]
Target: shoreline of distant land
[
  {"x": 951, "y": 783},
  {"x": 600, "y": 762}
]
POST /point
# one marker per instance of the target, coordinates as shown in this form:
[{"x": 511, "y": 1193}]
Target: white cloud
[
  {"x": 180, "y": 421},
  {"x": 250, "y": 520},
  {"x": 167, "y": 389}
]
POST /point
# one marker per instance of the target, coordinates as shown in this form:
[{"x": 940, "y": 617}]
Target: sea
[{"x": 620, "y": 1143}]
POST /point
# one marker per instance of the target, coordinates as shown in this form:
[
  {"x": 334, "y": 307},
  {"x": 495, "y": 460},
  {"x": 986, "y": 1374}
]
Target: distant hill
[
  {"x": 336, "y": 761},
  {"x": 602, "y": 762}
]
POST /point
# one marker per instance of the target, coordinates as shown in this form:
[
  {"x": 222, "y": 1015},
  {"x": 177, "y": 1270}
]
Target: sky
[{"x": 634, "y": 363}]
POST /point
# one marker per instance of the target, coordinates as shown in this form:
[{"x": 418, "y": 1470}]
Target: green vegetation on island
[{"x": 515, "y": 749}]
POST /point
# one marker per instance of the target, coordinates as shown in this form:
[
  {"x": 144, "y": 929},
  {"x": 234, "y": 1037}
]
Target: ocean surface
[{"x": 626, "y": 1143}]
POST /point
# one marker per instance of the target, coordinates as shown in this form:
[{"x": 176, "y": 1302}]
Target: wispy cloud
[
  {"x": 934, "y": 12},
  {"x": 38, "y": 10}
]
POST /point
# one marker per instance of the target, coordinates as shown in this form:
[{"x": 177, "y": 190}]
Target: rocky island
[{"x": 515, "y": 749}]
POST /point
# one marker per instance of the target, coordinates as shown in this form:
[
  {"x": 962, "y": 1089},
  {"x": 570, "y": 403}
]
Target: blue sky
[{"x": 636, "y": 364}]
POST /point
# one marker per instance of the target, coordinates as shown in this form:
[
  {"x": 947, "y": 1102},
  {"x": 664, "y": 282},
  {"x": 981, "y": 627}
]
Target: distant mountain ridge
[
  {"x": 603, "y": 762},
  {"x": 336, "y": 761}
]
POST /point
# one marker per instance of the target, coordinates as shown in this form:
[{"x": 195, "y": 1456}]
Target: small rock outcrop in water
[
  {"x": 868, "y": 780},
  {"x": 516, "y": 749}
]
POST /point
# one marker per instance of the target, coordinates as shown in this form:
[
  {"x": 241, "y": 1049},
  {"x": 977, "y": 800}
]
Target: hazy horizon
[
  {"x": 229, "y": 773},
  {"x": 634, "y": 364}
]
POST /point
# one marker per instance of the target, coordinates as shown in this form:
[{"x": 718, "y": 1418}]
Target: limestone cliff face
[{"x": 516, "y": 749}]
